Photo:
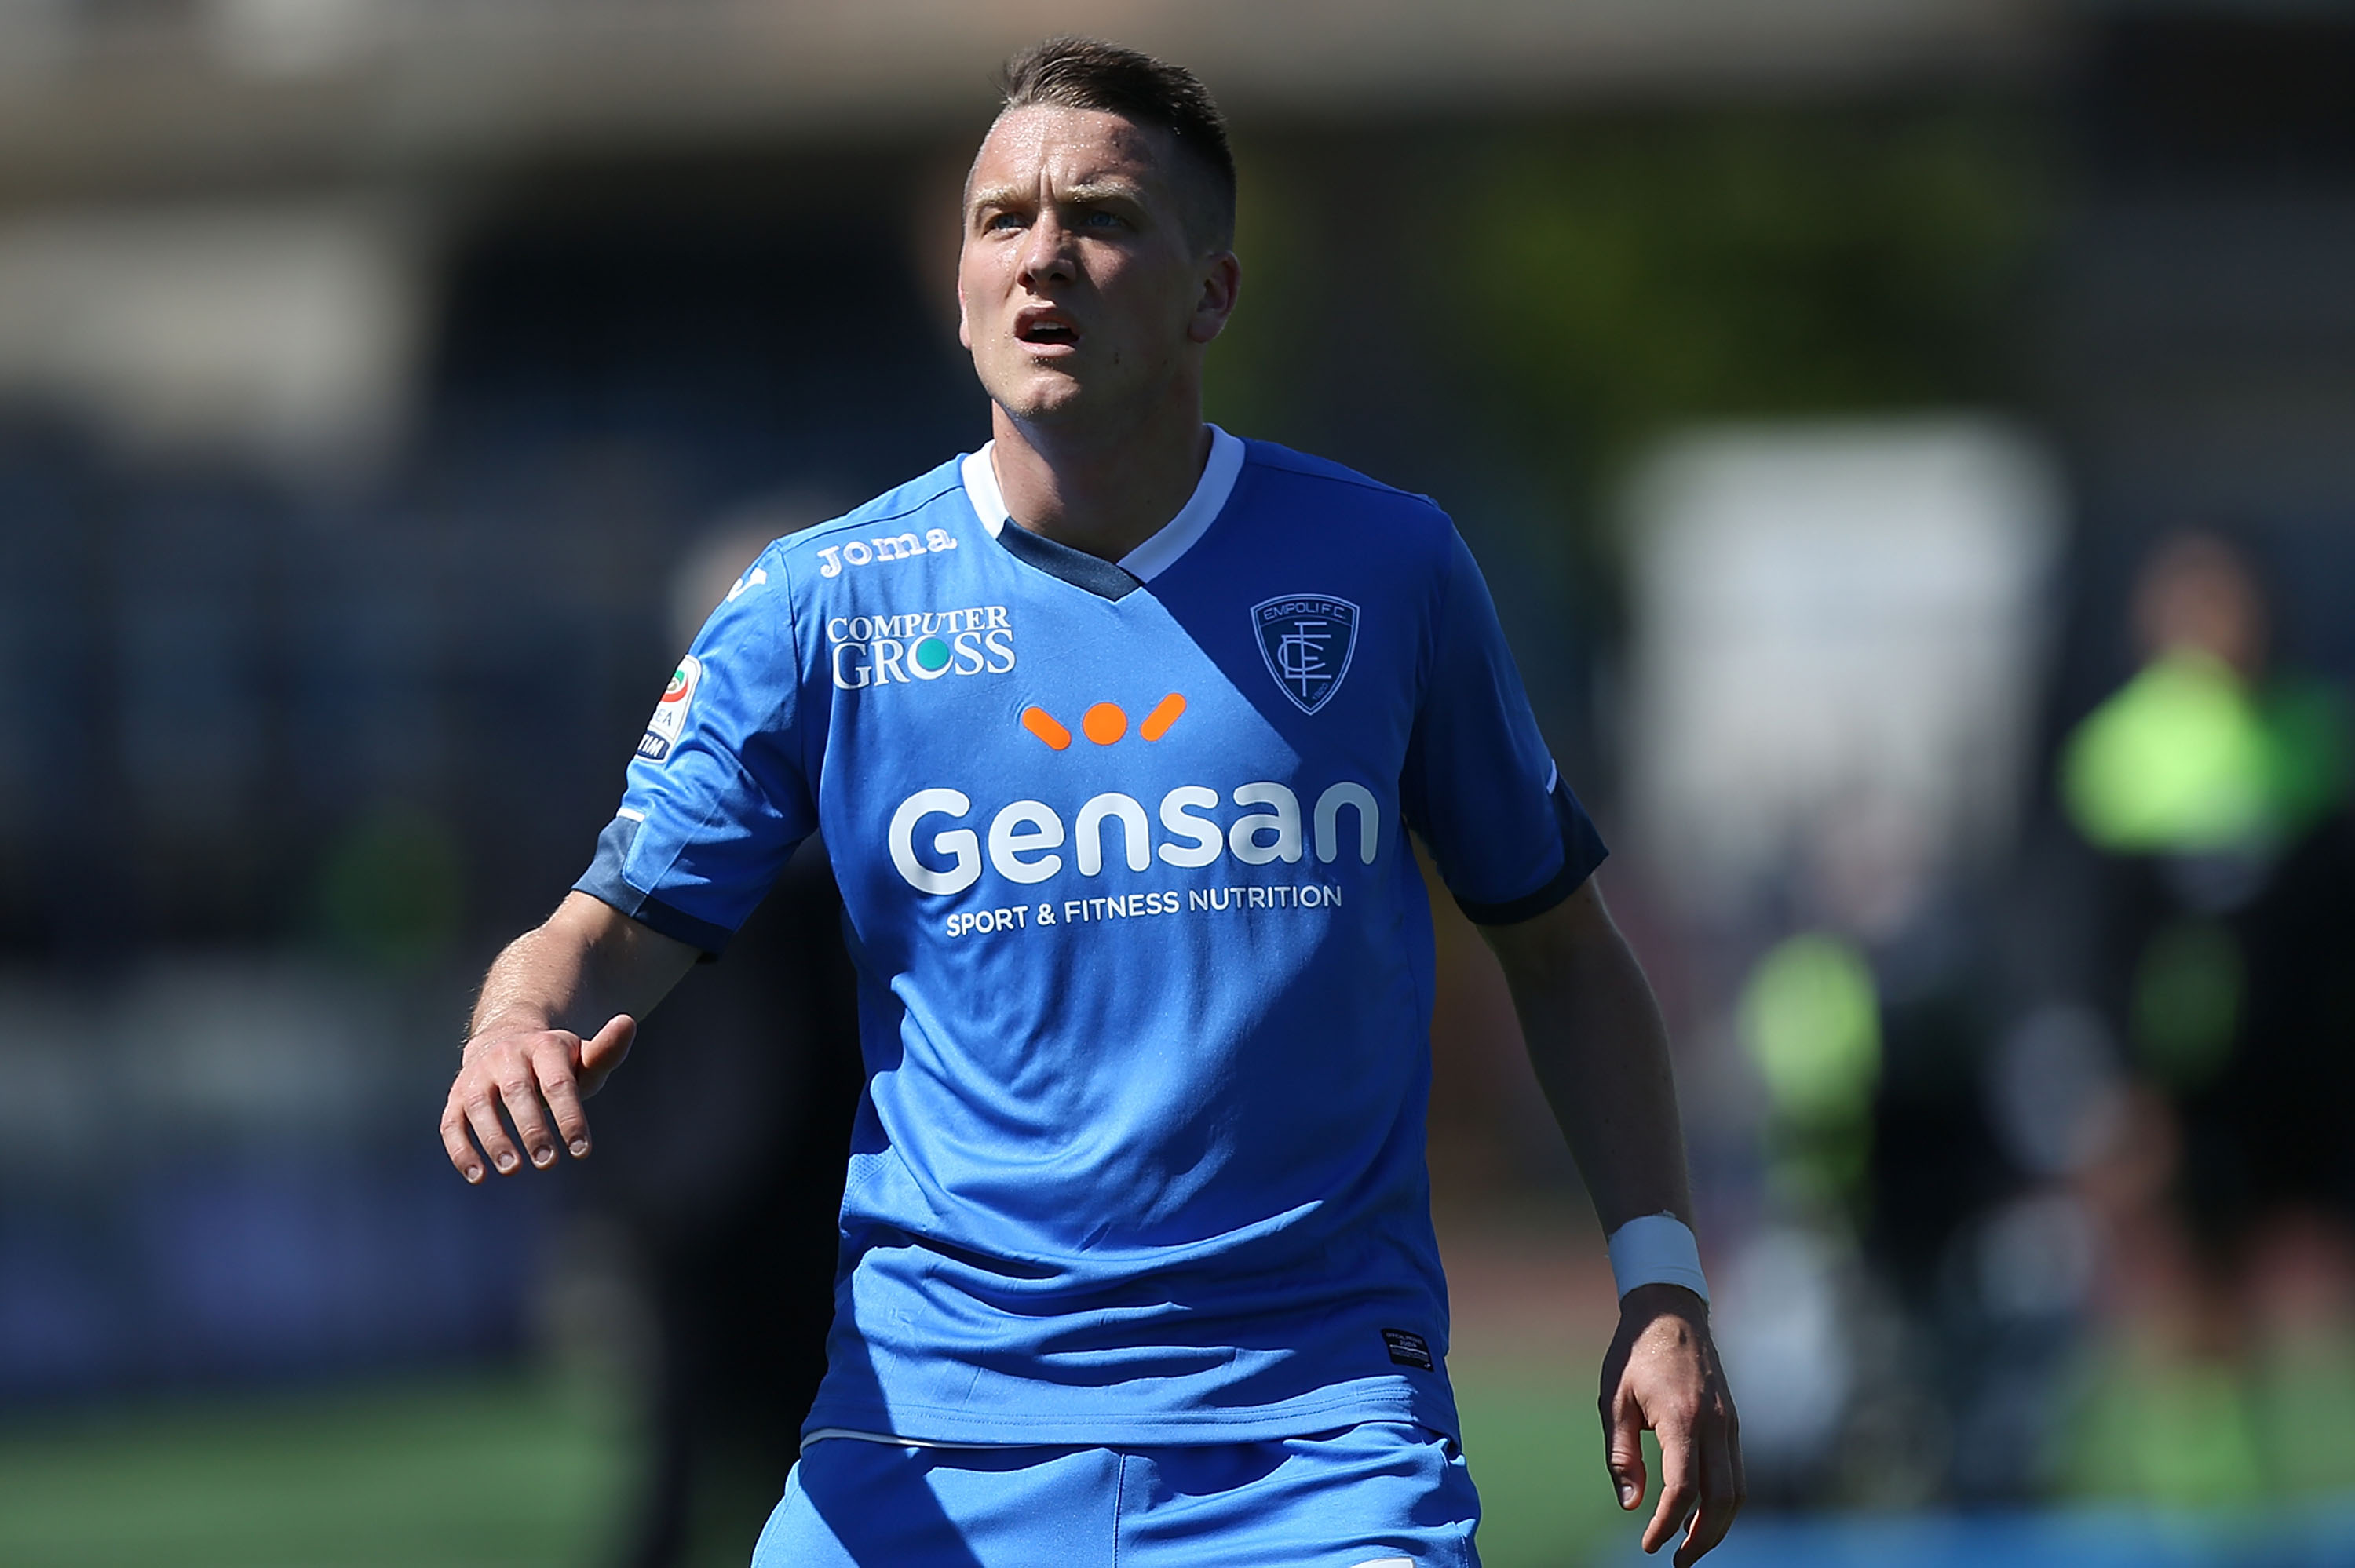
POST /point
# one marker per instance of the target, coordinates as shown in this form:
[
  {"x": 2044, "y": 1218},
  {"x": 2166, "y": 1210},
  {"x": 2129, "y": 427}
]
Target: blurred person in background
[
  {"x": 728, "y": 1201},
  {"x": 1120, "y": 1178},
  {"x": 1865, "y": 1027},
  {"x": 2213, "y": 786}
]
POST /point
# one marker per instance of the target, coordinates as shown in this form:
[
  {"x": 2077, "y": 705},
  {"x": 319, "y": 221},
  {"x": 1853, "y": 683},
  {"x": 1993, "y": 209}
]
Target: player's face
[{"x": 1080, "y": 287}]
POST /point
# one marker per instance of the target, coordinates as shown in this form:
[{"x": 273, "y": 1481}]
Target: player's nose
[{"x": 1047, "y": 250}]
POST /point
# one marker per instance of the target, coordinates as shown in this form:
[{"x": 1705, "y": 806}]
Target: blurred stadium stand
[{"x": 228, "y": 88}]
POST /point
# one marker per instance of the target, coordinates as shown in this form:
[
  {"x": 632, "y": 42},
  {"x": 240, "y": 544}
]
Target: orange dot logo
[{"x": 1104, "y": 723}]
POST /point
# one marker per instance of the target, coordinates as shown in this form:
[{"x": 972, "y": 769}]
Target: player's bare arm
[
  {"x": 557, "y": 1014},
  {"x": 1600, "y": 1049}
]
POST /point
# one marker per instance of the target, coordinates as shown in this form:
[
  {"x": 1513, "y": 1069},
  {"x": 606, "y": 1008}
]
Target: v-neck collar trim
[{"x": 1156, "y": 555}]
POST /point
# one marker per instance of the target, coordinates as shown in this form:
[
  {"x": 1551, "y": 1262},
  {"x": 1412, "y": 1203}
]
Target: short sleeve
[
  {"x": 717, "y": 795},
  {"x": 1480, "y": 787}
]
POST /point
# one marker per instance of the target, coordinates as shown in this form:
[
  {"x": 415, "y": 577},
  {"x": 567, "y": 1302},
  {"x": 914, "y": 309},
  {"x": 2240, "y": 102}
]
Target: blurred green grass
[
  {"x": 525, "y": 1471},
  {"x": 1536, "y": 1452},
  {"x": 512, "y": 1470}
]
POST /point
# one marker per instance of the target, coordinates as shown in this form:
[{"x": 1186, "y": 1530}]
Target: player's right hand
[{"x": 538, "y": 1076}]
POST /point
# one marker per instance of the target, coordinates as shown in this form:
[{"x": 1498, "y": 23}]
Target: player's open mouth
[{"x": 1045, "y": 329}]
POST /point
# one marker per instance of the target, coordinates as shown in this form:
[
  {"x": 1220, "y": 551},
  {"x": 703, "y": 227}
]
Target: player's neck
[{"x": 1102, "y": 489}]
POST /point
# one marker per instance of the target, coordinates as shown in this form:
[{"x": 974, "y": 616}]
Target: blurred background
[{"x": 1913, "y": 448}]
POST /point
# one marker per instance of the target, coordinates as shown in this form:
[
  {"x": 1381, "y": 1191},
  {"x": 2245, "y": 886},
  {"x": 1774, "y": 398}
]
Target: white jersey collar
[{"x": 1173, "y": 539}]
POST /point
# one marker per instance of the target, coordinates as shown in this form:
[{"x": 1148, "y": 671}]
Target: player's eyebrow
[
  {"x": 994, "y": 196},
  {"x": 1085, "y": 194},
  {"x": 1092, "y": 191}
]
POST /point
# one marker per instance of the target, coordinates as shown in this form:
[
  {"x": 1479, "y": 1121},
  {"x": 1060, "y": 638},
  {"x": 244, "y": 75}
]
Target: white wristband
[{"x": 1656, "y": 1249}]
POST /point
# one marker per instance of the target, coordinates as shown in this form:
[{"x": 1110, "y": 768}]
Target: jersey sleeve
[
  {"x": 719, "y": 793},
  {"x": 1481, "y": 788}
]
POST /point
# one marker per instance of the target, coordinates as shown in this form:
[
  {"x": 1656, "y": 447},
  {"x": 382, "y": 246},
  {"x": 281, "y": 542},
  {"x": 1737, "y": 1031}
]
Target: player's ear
[
  {"x": 964, "y": 332},
  {"x": 1222, "y": 279}
]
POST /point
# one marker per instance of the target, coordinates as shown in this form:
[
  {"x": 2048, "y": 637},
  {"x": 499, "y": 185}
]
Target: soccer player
[{"x": 1116, "y": 730}]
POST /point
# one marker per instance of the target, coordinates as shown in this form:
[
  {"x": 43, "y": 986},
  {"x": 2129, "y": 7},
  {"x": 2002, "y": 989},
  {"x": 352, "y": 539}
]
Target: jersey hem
[
  {"x": 889, "y": 1439},
  {"x": 924, "y": 1426}
]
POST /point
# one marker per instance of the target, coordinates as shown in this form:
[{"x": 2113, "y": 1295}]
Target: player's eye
[{"x": 1002, "y": 220}]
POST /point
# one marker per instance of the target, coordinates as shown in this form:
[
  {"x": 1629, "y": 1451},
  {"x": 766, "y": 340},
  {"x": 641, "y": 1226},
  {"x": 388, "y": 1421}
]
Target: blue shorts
[{"x": 1381, "y": 1494}]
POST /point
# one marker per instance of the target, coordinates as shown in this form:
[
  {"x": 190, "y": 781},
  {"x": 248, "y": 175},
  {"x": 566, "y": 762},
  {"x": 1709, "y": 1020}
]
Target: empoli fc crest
[{"x": 1306, "y": 639}]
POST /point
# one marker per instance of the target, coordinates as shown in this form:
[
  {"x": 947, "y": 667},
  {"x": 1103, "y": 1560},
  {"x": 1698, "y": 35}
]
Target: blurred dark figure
[
  {"x": 1869, "y": 1028},
  {"x": 2214, "y": 784},
  {"x": 724, "y": 1164},
  {"x": 2213, "y": 789}
]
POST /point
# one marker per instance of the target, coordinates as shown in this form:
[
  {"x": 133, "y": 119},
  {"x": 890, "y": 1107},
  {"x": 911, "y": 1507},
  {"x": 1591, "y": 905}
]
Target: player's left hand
[{"x": 1662, "y": 1374}]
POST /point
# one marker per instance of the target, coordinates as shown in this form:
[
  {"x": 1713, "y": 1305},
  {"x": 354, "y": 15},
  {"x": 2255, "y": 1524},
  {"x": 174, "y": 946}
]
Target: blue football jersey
[{"x": 1145, "y": 960}]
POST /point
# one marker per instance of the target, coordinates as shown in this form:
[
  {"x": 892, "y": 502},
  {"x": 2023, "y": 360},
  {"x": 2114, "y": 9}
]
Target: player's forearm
[
  {"x": 1602, "y": 1055},
  {"x": 1600, "y": 1049},
  {"x": 583, "y": 965}
]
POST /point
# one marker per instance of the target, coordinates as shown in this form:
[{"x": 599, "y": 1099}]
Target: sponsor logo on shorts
[
  {"x": 1306, "y": 639},
  {"x": 669, "y": 721}
]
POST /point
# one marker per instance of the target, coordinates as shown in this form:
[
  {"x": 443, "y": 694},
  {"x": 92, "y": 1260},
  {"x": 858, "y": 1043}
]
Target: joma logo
[{"x": 832, "y": 559}]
